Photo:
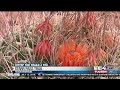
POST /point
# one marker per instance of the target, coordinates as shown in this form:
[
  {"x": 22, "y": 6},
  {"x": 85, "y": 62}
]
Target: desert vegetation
[{"x": 59, "y": 38}]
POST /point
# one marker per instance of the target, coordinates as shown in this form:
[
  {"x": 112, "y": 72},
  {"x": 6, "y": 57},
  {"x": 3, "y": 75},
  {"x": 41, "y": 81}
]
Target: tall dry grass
[{"x": 18, "y": 37}]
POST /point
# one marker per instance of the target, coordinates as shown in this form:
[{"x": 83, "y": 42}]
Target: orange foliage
[
  {"x": 71, "y": 54},
  {"x": 44, "y": 27},
  {"x": 43, "y": 49}
]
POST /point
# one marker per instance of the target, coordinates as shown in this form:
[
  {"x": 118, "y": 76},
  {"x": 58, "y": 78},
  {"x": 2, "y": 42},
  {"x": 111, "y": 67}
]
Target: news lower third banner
[
  {"x": 51, "y": 70},
  {"x": 54, "y": 70}
]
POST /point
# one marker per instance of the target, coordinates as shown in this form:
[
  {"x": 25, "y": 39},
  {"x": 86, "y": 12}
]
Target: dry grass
[{"x": 17, "y": 36}]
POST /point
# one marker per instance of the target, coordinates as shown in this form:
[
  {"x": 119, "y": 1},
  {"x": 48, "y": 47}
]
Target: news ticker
[
  {"x": 37, "y": 69},
  {"x": 26, "y": 74}
]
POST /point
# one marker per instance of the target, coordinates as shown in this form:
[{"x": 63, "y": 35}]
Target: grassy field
[{"x": 59, "y": 38}]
